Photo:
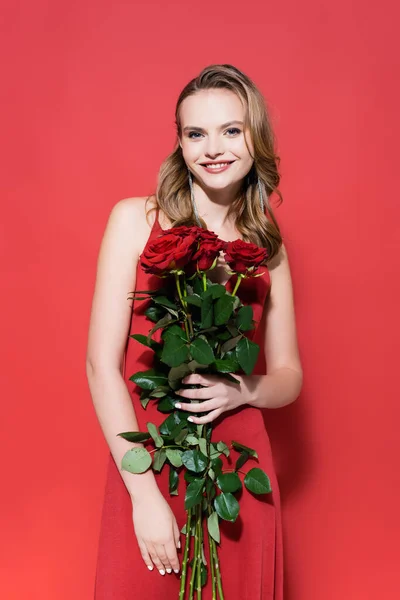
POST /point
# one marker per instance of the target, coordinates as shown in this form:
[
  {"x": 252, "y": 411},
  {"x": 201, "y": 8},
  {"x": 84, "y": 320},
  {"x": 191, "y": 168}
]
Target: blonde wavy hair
[{"x": 173, "y": 191}]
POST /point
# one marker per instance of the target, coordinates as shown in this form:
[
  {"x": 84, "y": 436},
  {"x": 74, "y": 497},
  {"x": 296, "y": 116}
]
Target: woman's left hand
[{"x": 218, "y": 395}]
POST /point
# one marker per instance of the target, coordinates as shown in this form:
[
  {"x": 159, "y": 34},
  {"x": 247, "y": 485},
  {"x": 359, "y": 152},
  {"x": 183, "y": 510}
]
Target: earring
[
  {"x": 196, "y": 213},
  {"x": 260, "y": 193}
]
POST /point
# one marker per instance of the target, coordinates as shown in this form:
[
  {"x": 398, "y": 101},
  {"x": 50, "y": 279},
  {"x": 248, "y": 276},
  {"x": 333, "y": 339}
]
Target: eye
[
  {"x": 234, "y": 129},
  {"x": 193, "y": 132}
]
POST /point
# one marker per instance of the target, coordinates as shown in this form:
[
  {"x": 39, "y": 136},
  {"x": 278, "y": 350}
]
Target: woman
[{"x": 220, "y": 176}]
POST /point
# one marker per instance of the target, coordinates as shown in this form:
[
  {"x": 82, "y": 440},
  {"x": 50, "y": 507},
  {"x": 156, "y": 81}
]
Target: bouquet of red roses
[{"x": 204, "y": 331}]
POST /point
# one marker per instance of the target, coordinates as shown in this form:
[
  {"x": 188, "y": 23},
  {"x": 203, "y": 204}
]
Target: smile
[{"x": 217, "y": 167}]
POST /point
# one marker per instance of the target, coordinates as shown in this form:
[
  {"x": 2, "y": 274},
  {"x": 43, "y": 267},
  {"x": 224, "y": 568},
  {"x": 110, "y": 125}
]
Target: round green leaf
[
  {"x": 194, "y": 460},
  {"x": 257, "y": 481},
  {"x": 174, "y": 457},
  {"x": 159, "y": 459},
  {"x": 227, "y": 506},
  {"x": 229, "y": 482},
  {"x": 136, "y": 460}
]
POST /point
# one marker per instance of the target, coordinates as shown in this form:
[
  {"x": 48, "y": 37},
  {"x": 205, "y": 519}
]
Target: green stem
[
  {"x": 194, "y": 567},
  {"x": 199, "y": 548},
  {"x": 178, "y": 287},
  {"x": 204, "y": 281},
  {"x": 217, "y": 570},
  {"x": 239, "y": 280},
  {"x": 212, "y": 566},
  {"x": 185, "y": 554}
]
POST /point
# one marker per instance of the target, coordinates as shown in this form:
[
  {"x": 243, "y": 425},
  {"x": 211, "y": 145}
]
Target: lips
[{"x": 221, "y": 162}]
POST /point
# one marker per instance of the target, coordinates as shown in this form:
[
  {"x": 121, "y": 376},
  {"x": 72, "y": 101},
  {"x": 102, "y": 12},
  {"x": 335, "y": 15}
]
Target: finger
[
  {"x": 172, "y": 555},
  {"x": 207, "y": 418},
  {"x": 177, "y": 535},
  {"x": 162, "y": 555},
  {"x": 200, "y": 406},
  {"x": 205, "y": 393},
  {"x": 145, "y": 555},
  {"x": 156, "y": 559},
  {"x": 200, "y": 379}
]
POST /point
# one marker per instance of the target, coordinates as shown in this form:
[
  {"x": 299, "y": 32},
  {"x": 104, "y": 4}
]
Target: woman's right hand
[{"x": 156, "y": 531}]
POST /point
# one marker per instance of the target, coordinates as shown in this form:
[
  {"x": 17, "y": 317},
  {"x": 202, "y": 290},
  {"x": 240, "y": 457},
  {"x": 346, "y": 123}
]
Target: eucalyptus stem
[
  {"x": 239, "y": 280},
  {"x": 185, "y": 554}
]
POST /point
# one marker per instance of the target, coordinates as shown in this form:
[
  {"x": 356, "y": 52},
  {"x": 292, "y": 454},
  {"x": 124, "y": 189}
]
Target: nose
[{"x": 214, "y": 146}]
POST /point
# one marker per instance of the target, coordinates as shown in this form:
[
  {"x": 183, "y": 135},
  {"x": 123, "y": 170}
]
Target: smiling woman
[{"x": 220, "y": 176}]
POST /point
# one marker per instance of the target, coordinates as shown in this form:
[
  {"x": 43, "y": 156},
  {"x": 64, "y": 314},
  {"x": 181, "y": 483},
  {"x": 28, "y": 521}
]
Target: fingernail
[
  {"x": 179, "y": 543},
  {"x": 162, "y": 572},
  {"x": 176, "y": 570},
  {"x": 169, "y": 570},
  {"x": 190, "y": 419},
  {"x": 150, "y": 567},
  {"x": 177, "y": 405}
]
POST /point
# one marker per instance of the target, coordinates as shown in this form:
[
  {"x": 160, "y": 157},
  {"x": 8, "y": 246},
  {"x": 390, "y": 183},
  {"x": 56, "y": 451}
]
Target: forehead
[{"x": 210, "y": 108}]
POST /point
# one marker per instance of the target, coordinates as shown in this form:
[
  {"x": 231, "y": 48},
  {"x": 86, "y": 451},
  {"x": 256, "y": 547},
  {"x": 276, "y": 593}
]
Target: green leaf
[
  {"x": 217, "y": 465},
  {"x": 174, "y": 330},
  {"x": 142, "y": 339},
  {"x": 257, "y": 481},
  {"x": 134, "y": 436},
  {"x": 247, "y": 354},
  {"x": 148, "y": 380},
  {"x": 244, "y": 318},
  {"x": 203, "y": 446},
  {"x": 154, "y": 313},
  {"x": 243, "y": 458},
  {"x": 164, "y": 301},
  {"x": 202, "y": 352},
  {"x": 175, "y": 351},
  {"x": 194, "y": 460},
  {"x": 223, "y": 309},
  {"x": 159, "y": 459},
  {"x": 173, "y": 482},
  {"x": 229, "y": 482},
  {"x": 170, "y": 423},
  {"x": 230, "y": 344},
  {"x": 226, "y": 365},
  {"x": 192, "y": 439},
  {"x": 213, "y": 527},
  {"x": 144, "y": 401},
  {"x": 176, "y": 374},
  {"x": 136, "y": 460},
  {"x": 193, "y": 299},
  {"x": 207, "y": 311},
  {"x": 166, "y": 404},
  {"x": 163, "y": 322},
  {"x": 194, "y": 493},
  {"x": 222, "y": 447},
  {"x": 227, "y": 506},
  {"x": 174, "y": 456},
  {"x": 181, "y": 436},
  {"x": 240, "y": 447},
  {"x": 217, "y": 290},
  {"x": 159, "y": 442},
  {"x": 214, "y": 452}
]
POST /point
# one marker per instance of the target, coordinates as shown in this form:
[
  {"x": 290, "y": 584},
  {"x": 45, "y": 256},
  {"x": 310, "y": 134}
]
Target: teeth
[{"x": 216, "y": 165}]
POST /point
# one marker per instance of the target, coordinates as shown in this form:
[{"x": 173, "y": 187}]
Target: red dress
[{"x": 251, "y": 552}]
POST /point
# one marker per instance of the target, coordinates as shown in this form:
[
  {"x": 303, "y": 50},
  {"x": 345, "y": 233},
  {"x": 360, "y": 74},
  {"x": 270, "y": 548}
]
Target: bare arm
[
  {"x": 125, "y": 236},
  {"x": 284, "y": 379},
  {"x": 108, "y": 333}
]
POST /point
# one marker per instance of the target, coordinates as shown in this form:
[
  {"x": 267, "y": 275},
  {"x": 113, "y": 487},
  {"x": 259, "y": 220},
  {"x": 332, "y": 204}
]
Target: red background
[{"x": 88, "y": 94}]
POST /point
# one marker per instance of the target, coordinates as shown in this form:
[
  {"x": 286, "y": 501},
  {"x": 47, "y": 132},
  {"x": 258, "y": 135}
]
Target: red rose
[
  {"x": 172, "y": 250},
  {"x": 245, "y": 257},
  {"x": 208, "y": 250}
]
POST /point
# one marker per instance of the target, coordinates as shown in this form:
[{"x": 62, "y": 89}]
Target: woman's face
[{"x": 207, "y": 137}]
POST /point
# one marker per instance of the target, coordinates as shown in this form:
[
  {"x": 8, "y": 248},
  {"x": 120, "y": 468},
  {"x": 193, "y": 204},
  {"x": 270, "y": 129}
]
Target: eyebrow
[{"x": 222, "y": 126}]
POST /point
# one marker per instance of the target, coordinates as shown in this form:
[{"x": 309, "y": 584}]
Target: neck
[{"x": 213, "y": 205}]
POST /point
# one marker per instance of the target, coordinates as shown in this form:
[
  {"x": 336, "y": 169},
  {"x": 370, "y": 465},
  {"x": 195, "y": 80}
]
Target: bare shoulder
[
  {"x": 129, "y": 216},
  {"x": 279, "y": 266}
]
